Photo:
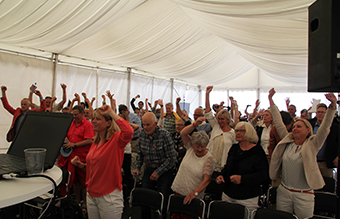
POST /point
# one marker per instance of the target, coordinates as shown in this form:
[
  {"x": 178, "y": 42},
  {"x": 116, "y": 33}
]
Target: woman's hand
[
  {"x": 271, "y": 93},
  {"x": 236, "y": 179},
  {"x": 209, "y": 89},
  {"x": 189, "y": 198},
  {"x": 331, "y": 97},
  {"x": 270, "y": 96},
  {"x": 105, "y": 110},
  {"x": 220, "y": 179},
  {"x": 199, "y": 121},
  {"x": 76, "y": 161}
]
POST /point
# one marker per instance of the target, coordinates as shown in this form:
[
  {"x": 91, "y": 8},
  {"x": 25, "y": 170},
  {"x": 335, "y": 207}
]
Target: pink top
[{"x": 103, "y": 163}]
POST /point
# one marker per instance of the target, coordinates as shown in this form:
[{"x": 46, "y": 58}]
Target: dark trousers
[{"x": 127, "y": 177}]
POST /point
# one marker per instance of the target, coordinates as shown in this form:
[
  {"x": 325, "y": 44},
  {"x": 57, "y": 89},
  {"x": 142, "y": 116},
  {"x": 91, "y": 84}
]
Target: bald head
[{"x": 149, "y": 122}]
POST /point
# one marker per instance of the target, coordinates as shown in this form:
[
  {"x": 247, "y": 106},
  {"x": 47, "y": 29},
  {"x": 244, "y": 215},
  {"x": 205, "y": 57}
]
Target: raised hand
[
  {"x": 331, "y": 97},
  {"x": 209, "y": 89}
]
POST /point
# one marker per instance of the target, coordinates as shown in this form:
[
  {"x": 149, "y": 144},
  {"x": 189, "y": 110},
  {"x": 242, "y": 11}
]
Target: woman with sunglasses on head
[
  {"x": 294, "y": 158},
  {"x": 104, "y": 162},
  {"x": 246, "y": 170}
]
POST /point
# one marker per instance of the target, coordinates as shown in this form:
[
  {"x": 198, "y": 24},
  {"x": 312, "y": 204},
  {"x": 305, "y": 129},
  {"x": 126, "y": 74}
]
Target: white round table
[{"x": 14, "y": 191}]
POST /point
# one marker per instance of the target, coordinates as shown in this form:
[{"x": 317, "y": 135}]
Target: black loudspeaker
[{"x": 324, "y": 46}]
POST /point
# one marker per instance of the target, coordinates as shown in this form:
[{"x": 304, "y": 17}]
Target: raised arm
[
  {"x": 207, "y": 99},
  {"x": 132, "y": 102},
  {"x": 146, "y": 105},
  {"x": 76, "y": 98},
  {"x": 237, "y": 113},
  {"x": 161, "y": 118},
  {"x": 63, "y": 101},
  {"x": 88, "y": 103},
  {"x": 178, "y": 108},
  {"x": 185, "y": 133},
  {"x": 112, "y": 101},
  {"x": 287, "y": 102},
  {"x": 42, "y": 101}
]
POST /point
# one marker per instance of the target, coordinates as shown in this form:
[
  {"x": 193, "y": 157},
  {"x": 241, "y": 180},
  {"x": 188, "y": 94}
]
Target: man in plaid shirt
[{"x": 157, "y": 149}]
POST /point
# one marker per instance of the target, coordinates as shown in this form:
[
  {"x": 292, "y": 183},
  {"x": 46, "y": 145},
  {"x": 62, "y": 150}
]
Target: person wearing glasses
[
  {"x": 294, "y": 158},
  {"x": 327, "y": 156},
  {"x": 246, "y": 170}
]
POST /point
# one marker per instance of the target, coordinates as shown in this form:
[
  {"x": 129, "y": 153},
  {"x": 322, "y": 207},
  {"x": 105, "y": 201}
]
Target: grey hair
[
  {"x": 170, "y": 104},
  {"x": 250, "y": 134},
  {"x": 200, "y": 138}
]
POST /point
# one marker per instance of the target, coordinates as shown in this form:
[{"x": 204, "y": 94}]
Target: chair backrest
[
  {"x": 330, "y": 185},
  {"x": 270, "y": 214},
  {"x": 271, "y": 197},
  {"x": 147, "y": 198},
  {"x": 195, "y": 209},
  {"x": 325, "y": 203},
  {"x": 222, "y": 209}
]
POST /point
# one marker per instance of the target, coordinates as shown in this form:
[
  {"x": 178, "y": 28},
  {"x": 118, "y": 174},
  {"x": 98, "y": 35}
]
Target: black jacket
[{"x": 252, "y": 165}]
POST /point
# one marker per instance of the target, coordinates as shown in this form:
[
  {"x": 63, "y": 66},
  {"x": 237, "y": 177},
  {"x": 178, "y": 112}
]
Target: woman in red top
[{"x": 104, "y": 162}]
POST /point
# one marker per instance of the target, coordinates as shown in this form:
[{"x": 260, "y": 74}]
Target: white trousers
[
  {"x": 251, "y": 203},
  {"x": 109, "y": 206},
  {"x": 300, "y": 204}
]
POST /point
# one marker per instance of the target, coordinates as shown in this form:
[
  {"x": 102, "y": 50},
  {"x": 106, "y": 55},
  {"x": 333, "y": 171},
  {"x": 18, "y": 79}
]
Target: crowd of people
[{"x": 219, "y": 152}]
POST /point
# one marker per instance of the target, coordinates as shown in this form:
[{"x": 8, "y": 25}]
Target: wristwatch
[
  {"x": 195, "y": 193},
  {"x": 75, "y": 144}
]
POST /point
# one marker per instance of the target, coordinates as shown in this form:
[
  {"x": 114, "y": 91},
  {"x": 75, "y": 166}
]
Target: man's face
[
  {"x": 304, "y": 115},
  {"x": 320, "y": 113},
  {"x": 77, "y": 115},
  {"x": 198, "y": 113},
  {"x": 140, "y": 105},
  {"x": 149, "y": 126},
  {"x": 25, "y": 105},
  {"x": 292, "y": 110},
  {"x": 48, "y": 102},
  {"x": 87, "y": 114},
  {"x": 168, "y": 109},
  {"x": 179, "y": 126}
]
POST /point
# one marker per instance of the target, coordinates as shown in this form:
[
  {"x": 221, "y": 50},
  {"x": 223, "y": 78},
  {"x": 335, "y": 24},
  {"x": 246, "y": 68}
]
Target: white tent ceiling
[{"x": 234, "y": 44}]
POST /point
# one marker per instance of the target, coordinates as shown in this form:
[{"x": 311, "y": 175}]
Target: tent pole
[
  {"x": 200, "y": 95},
  {"x": 55, "y": 60},
  {"x": 128, "y": 70},
  {"x": 172, "y": 89}
]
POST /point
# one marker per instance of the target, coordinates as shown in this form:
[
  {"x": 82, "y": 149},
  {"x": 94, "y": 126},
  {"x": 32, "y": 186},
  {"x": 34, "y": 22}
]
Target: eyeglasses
[
  {"x": 198, "y": 115},
  {"x": 321, "y": 112},
  {"x": 241, "y": 131},
  {"x": 180, "y": 124}
]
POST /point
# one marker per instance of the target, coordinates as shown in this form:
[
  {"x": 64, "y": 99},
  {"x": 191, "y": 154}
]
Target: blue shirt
[
  {"x": 322, "y": 151},
  {"x": 135, "y": 119}
]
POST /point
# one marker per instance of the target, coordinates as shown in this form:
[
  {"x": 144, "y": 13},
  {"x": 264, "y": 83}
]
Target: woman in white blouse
[
  {"x": 222, "y": 134},
  {"x": 195, "y": 171},
  {"x": 294, "y": 158}
]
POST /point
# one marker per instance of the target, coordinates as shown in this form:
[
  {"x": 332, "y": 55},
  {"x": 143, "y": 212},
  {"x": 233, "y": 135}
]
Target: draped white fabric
[{"x": 199, "y": 42}]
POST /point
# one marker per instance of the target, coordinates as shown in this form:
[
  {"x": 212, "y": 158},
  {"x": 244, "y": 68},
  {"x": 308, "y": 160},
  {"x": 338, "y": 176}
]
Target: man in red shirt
[
  {"x": 80, "y": 135},
  {"x": 19, "y": 113}
]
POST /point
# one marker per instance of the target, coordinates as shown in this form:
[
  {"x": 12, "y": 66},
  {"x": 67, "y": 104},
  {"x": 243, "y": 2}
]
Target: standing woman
[
  {"x": 246, "y": 170},
  {"x": 263, "y": 130},
  {"x": 195, "y": 171},
  {"x": 104, "y": 162},
  {"x": 295, "y": 156},
  {"x": 222, "y": 134}
]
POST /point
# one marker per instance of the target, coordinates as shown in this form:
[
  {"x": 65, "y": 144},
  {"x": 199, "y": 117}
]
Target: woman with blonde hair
[
  {"x": 294, "y": 158},
  {"x": 104, "y": 162},
  {"x": 263, "y": 130}
]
